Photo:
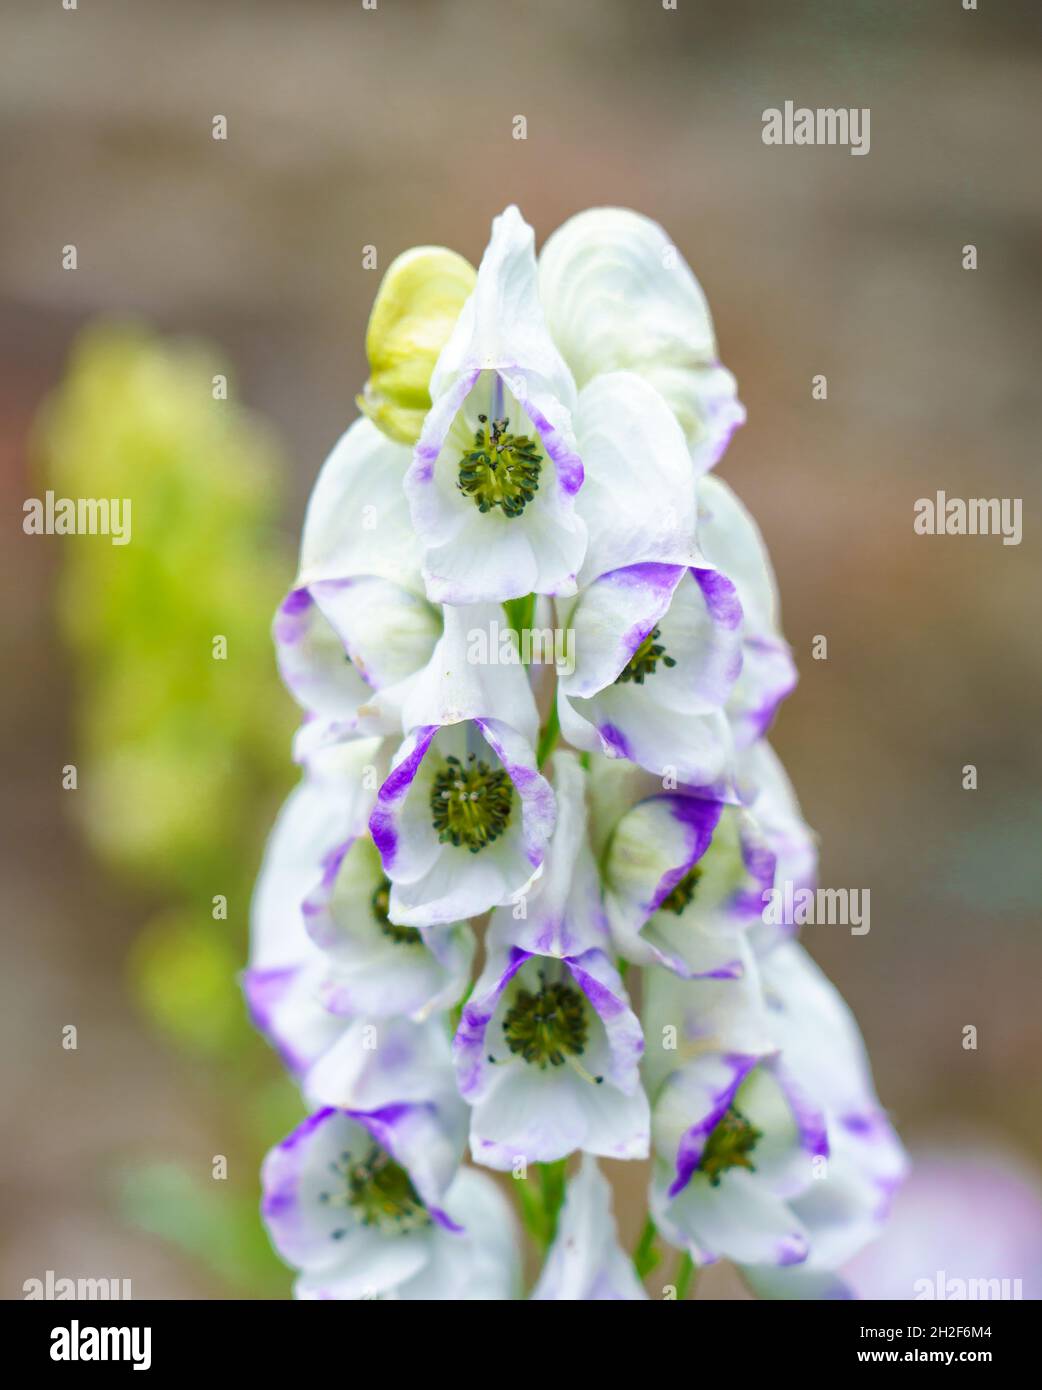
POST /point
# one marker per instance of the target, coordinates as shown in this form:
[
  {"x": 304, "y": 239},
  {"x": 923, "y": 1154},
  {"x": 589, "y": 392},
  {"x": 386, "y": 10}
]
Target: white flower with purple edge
[
  {"x": 462, "y": 821},
  {"x": 663, "y": 580},
  {"x": 684, "y": 875},
  {"x": 494, "y": 475},
  {"x": 784, "y": 1161},
  {"x": 732, "y": 543},
  {"x": 658, "y": 650},
  {"x": 547, "y": 1054},
  {"x": 374, "y": 966},
  {"x": 372, "y": 1205},
  {"x": 328, "y": 807},
  {"x": 356, "y": 624}
]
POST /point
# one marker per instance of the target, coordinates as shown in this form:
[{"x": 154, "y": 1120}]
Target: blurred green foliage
[
  {"x": 181, "y": 747},
  {"x": 182, "y": 756}
]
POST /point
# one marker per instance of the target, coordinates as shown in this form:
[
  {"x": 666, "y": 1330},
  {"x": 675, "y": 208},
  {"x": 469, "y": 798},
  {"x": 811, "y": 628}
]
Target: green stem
[
  {"x": 646, "y": 1256},
  {"x": 541, "y": 1202},
  {"x": 549, "y": 736},
  {"x": 553, "y": 1180},
  {"x": 520, "y": 613},
  {"x": 685, "y": 1277}
]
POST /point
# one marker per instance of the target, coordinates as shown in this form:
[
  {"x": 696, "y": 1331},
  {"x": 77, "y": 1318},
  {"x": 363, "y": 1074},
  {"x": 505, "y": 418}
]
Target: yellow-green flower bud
[{"x": 416, "y": 308}]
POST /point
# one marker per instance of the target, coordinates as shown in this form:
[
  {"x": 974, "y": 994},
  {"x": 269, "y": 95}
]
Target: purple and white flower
[
  {"x": 356, "y": 624},
  {"x": 373, "y": 966},
  {"x": 547, "y": 1054},
  {"x": 674, "y": 885},
  {"x": 658, "y": 650},
  {"x": 329, "y": 807},
  {"x": 494, "y": 475},
  {"x": 559, "y": 478},
  {"x": 685, "y": 876},
  {"x": 462, "y": 821},
  {"x": 779, "y": 1161},
  {"x": 732, "y": 543},
  {"x": 372, "y": 1205}
]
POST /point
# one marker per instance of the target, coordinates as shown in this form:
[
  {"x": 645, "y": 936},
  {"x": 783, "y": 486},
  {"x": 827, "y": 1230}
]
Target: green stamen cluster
[
  {"x": 381, "y": 903},
  {"x": 545, "y": 1027},
  {"x": 681, "y": 893},
  {"x": 470, "y": 805},
  {"x": 379, "y": 1192},
  {"x": 644, "y": 660},
  {"x": 729, "y": 1146},
  {"x": 502, "y": 470}
]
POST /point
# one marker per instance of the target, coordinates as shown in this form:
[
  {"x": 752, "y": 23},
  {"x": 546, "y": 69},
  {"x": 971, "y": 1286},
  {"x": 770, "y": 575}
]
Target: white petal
[
  {"x": 585, "y": 1262},
  {"x": 285, "y": 1005},
  {"x": 733, "y": 544},
  {"x": 502, "y": 324},
  {"x": 739, "y": 1220},
  {"x": 686, "y": 1019},
  {"x": 357, "y": 520},
  {"x": 479, "y": 1263},
  {"x": 382, "y": 1062},
  {"x": 637, "y": 499},
  {"x": 500, "y": 360},
  {"x": 561, "y": 914},
  {"x": 467, "y": 679},
  {"x": 315, "y": 666},
  {"x": 388, "y": 632},
  {"x": 619, "y": 296},
  {"x": 326, "y": 808}
]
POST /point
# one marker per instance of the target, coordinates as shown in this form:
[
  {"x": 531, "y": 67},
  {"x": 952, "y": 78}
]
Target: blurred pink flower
[{"x": 963, "y": 1215}]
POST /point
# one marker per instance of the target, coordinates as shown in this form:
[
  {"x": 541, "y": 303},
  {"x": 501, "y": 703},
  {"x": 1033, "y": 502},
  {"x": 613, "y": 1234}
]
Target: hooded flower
[
  {"x": 495, "y": 472},
  {"x": 658, "y": 650},
  {"x": 585, "y": 1263},
  {"x": 462, "y": 822},
  {"x": 371, "y": 965},
  {"x": 732, "y": 543},
  {"x": 486, "y": 492},
  {"x": 328, "y": 808},
  {"x": 356, "y": 627},
  {"x": 366, "y": 1197},
  {"x": 618, "y": 295},
  {"x": 686, "y": 876},
  {"x": 639, "y": 500},
  {"x": 777, "y": 1160},
  {"x": 547, "y": 1054},
  {"x": 675, "y": 876},
  {"x": 372, "y": 1205},
  {"x": 823, "y": 1064}
]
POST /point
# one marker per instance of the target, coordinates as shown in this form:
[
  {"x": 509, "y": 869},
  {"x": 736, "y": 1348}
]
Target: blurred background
[{"x": 243, "y": 258}]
